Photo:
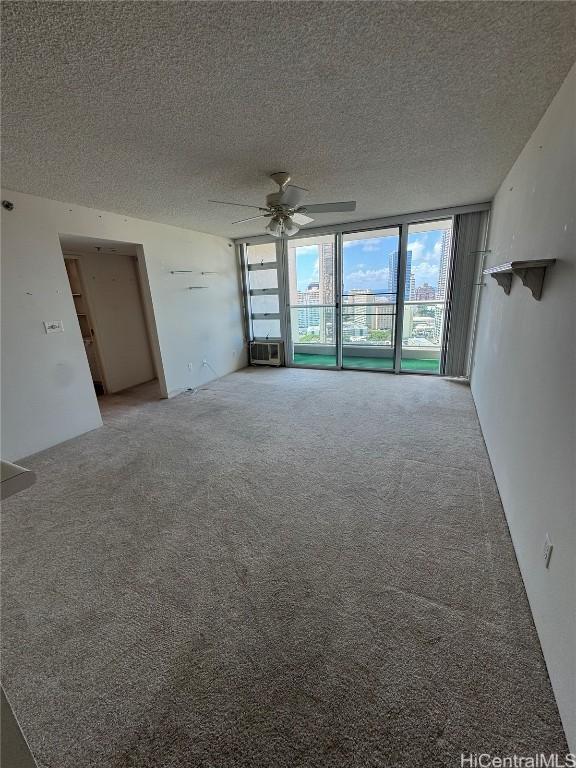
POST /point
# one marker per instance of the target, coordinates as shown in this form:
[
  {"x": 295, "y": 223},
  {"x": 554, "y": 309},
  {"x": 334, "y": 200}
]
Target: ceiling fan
[{"x": 284, "y": 208}]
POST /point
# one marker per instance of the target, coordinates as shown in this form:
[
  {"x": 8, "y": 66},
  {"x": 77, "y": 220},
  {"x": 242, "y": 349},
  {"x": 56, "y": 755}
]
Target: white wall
[
  {"x": 47, "y": 392},
  {"x": 524, "y": 379},
  {"x": 113, "y": 296}
]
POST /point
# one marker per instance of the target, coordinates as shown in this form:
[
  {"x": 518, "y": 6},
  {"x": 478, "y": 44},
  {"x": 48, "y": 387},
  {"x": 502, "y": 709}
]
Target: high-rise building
[
  {"x": 438, "y": 323},
  {"x": 326, "y": 290},
  {"x": 292, "y": 278},
  {"x": 393, "y": 273},
  {"x": 412, "y": 286},
  {"x": 309, "y": 314},
  {"x": 382, "y": 314},
  {"x": 424, "y": 293},
  {"x": 326, "y": 273},
  {"x": 444, "y": 264},
  {"x": 356, "y": 308}
]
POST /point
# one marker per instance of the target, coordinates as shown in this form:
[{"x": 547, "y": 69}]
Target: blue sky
[{"x": 366, "y": 261}]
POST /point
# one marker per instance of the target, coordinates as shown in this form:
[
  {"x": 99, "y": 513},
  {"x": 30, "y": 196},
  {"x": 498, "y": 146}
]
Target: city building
[
  {"x": 412, "y": 286},
  {"x": 441, "y": 292},
  {"x": 326, "y": 265},
  {"x": 393, "y": 273},
  {"x": 424, "y": 292},
  {"x": 309, "y": 312},
  {"x": 326, "y": 272}
]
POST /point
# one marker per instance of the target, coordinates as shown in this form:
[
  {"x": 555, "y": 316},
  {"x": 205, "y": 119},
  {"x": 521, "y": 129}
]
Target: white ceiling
[{"x": 151, "y": 108}]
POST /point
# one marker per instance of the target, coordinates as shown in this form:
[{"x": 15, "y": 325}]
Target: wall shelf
[{"x": 530, "y": 272}]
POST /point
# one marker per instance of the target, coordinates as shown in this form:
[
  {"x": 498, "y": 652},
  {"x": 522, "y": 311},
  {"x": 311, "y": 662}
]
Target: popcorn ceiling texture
[
  {"x": 150, "y": 109},
  {"x": 288, "y": 569}
]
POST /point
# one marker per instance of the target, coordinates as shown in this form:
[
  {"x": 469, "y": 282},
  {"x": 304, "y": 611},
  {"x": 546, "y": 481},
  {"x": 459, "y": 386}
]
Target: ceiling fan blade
[
  {"x": 292, "y": 195},
  {"x": 251, "y": 218},
  {"x": 330, "y": 207},
  {"x": 241, "y": 205},
  {"x": 301, "y": 219}
]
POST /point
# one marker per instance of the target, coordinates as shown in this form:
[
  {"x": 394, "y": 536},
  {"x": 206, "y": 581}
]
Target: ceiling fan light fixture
[
  {"x": 275, "y": 227},
  {"x": 282, "y": 226},
  {"x": 290, "y": 227}
]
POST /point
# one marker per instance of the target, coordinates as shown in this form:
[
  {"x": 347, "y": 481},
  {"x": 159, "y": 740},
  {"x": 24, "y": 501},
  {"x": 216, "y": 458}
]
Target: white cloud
[
  {"x": 425, "y": 262},
  {"x": 368, "y": 246},
  {"x": 366, "y": 278},
  {"x": 306, "y": 250},
  {"x": 423, "y": 271},
  {"x": 418, "y": 249}
]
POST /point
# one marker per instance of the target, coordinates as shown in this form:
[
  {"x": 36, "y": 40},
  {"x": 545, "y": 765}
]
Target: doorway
[{"x": 106, "y": 287}]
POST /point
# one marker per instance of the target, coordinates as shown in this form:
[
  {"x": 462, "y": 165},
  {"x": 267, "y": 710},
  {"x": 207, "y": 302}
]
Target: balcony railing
[
  {"x": 422, "y": 328},
  {"x": 423, "y": 324}
]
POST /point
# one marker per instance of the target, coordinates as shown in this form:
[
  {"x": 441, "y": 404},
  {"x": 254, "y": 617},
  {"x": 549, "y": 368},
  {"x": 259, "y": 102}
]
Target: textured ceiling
[{"x": 150, "y": 109}]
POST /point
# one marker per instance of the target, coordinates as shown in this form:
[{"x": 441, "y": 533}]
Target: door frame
[
  {"x": 282, "y": 260},
  {"x": 399, "y": 313}
]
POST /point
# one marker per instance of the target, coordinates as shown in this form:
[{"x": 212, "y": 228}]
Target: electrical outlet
[
  {"x": 190, "y": 366},
  {"x": 204, "y": 362},
  {"x": 53, "y": 326},
  {"x": 547, "y": 551}
]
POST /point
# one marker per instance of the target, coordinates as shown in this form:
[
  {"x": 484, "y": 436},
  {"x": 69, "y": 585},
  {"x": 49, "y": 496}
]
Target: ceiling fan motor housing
[
  {"x": 281, "y": 178},
  {"x": 273, "y": 200}
]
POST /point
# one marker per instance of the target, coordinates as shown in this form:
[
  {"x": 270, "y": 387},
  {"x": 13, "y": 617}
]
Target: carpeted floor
[{"x": 286, "y": 569}]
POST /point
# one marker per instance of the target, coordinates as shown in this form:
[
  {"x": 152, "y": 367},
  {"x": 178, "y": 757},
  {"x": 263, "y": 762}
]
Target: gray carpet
[{"x": 287, "y": 568}]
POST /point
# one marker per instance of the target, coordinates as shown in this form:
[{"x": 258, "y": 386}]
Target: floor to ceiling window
[
  {"x": 369, "y": 288},
  {"x": 312, "y": 297},
  {"x": 373, "y": 299},
  {"x": 427, "y": 277}
]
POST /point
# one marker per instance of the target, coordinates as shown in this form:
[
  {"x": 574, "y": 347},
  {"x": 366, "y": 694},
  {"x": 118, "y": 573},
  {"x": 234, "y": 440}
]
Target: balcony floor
[{"x": 426, "y": 365}]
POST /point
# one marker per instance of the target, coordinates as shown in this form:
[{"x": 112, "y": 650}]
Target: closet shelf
[{"x": 531, "y": 273}]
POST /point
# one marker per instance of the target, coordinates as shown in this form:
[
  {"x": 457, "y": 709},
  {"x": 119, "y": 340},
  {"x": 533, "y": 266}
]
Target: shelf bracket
[
  {"x": 504, "y": 280},
  {"x": 530, "y": 272},
  {"x": 532, "y": 279}
]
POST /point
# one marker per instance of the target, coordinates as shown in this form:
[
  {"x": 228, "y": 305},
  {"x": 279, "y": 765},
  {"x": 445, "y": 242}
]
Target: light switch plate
[{"x": 53, "y": 326}]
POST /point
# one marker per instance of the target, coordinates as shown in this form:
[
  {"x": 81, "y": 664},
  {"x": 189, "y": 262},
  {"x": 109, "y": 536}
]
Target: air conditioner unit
[{"x": 266, "y": 352}]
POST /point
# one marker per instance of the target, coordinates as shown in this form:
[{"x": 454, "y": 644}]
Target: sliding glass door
[
  {"x": 369, "y": 298},
  {"x": 426, "y": 284},
  {"x": 312, "y": 298}
]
